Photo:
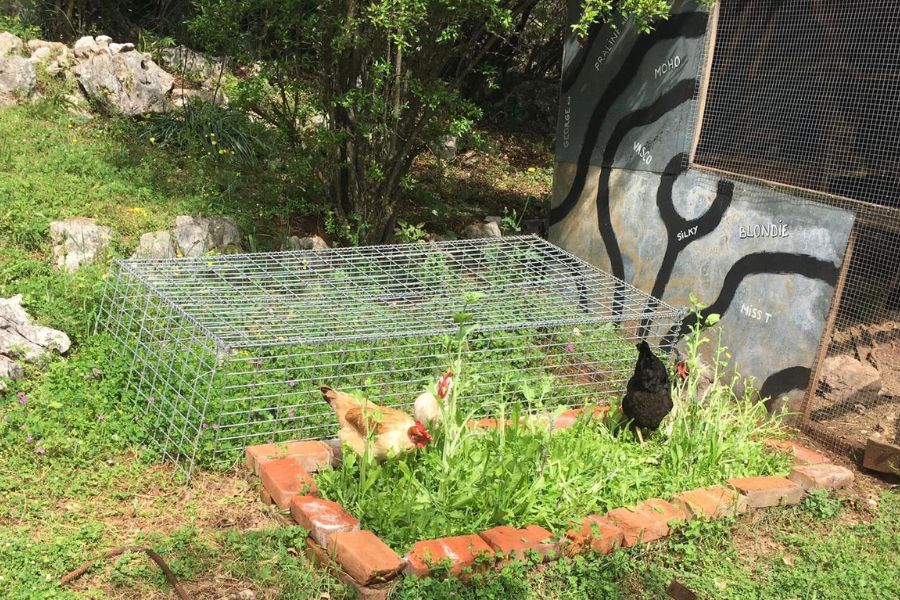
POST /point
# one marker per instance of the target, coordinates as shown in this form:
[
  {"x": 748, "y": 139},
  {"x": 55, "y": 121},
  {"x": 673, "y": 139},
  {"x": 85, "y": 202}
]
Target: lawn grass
[{"x": 75, "y": 480}]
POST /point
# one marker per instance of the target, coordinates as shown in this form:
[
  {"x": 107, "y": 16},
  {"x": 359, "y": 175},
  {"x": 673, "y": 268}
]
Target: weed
[{"x": 821, "y": 504}]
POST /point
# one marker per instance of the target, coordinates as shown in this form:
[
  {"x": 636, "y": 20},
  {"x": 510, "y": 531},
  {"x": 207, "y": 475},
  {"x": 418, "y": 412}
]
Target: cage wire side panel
[
  {"x": 261, "y": 333},
  {"x": 805, "y": 94},
  {"x": 174, "y": 365}
]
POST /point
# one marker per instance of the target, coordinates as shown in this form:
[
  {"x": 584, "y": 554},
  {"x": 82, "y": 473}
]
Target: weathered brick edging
[{"x": 359, "y": 558}]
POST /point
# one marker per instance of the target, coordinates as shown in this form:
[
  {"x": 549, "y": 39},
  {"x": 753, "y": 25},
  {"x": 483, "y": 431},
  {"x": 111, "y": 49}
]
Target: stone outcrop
[
  {"x": 77, "y": 242},
  {"x": 23, "y": 341}
]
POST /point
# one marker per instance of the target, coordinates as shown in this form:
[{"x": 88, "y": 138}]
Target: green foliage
[
  {"x": 644, "y": 13},
  {"x": 409, "y": 232},
  {"x": 469, "y": 479},
  {"x": 208, "y": 129},
  {"x": 821, "y": 504},
  {"x": 16, "y": 26}
]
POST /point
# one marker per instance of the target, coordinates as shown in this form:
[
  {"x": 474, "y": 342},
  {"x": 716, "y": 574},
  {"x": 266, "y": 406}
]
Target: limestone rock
[
  {"x": 156, "y": 244},
  {"x": 482, "y": 230},
  {"x": 117, "y": 48},
  {"x": 181, "y": 96},
  {"x": 77, "y": 241},
  {"x": 21, "y": 339},
  {"x": 86, "y": 46},
  {"x": 305, "y": 243},
  {"x": 17, "y": 78},
  {"x": 10, "y": 44},
  {"x": 41, "y": 54},
  {"x": 34, "y": 45},
  {"x": 196, "y": 236},
  {"x": 129, "y": 83},
  {"x": 190, "y": 63},
  {"x": 847, "y": 377},
  {"x": 445, "y": 147}
]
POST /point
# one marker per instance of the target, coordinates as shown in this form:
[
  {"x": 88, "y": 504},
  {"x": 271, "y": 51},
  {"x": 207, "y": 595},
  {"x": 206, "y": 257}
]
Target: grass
[
  {"x": 782, "y": 553},
  {"x": 469, "y": 480},
  {"x": 83, "y": 484}
]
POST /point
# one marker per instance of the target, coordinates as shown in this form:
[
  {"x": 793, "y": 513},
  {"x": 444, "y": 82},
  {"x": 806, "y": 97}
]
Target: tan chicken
[{"x": 391, "y": 431}]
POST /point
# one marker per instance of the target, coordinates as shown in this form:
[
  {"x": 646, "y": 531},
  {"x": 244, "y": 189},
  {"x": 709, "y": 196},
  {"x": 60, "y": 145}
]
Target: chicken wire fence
[
  {"x": 803, "y": 95},
  {"x": 229, "y": 351}
]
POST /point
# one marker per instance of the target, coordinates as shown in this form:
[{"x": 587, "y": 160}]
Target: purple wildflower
[
  {"x": 150, "y": 399},
  {"x": 292, "y": 383},
  {"x": 101, "y": 417},
  {"x": 29, "y": 439},
  {"x": 203, "y": 425},
  {"x": 40, "y": 450},
  {"x": 570, "y": 347},
  {"x": 23, "y": 397}
]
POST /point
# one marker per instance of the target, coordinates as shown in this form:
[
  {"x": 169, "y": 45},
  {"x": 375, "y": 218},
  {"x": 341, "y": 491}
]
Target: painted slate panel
[{"x": 766, "y": 261}]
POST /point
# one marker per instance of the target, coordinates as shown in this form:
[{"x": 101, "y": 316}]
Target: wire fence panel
[
  {"x": 802, "y": 96},
  {"x": 231, "y": 350}
]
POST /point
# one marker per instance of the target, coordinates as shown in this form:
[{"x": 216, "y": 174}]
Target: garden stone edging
[{"x": 373, "y": 568}]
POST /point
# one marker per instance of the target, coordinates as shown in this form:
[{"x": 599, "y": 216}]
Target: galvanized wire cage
[{"x": 231, "y": 350}]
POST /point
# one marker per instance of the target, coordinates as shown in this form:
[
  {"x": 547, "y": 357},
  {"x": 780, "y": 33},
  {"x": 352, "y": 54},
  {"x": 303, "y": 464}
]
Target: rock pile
[
  {"x": 113, "y": 77},
  {"x": 23, "y": 341}
]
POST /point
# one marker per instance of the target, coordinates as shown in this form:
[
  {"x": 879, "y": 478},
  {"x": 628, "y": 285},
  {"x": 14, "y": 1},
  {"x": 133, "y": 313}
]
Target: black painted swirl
[
  {"x": 685, "y": 25},
  {"x": 781, "y": 382},
  {"x": 786, "y": 263},
  {"x": 675, "y": 224}
]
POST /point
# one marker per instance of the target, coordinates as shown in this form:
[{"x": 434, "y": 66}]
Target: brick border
[{"x": 362, "y": 560}]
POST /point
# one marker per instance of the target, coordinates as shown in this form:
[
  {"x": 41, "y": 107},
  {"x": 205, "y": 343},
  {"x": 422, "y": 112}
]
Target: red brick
[
  {"x": 595, "y": 533},
  {"x": 658, "y": 508},
  {"x": 802, "y": 455},
  {"x": 321, "y": 518},
  {"x": 518, "y": 543},
  {"x": 319, "y": 556},
  {"x": 822, "y": 476},
  {"x": 710, "y": 503},
  {"x": 568, "y": 418},
  {"x": 365, "y": 557},
  {"x": 639, "y": 525},
  {"x": 767, "y": 490},
  {"x": 313, "y": 455},
  {"x": 461, "y": 550},
  {"x": 285, "y": 478}
]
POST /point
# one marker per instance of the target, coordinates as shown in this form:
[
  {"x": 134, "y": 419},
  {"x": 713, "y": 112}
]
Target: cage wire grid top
[
  {"x": 357, "y": 293},
  {"x": 230, "y": 350}
]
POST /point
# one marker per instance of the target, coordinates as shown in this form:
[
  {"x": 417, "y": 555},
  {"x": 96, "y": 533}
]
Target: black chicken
[{"x": 648, "y": 398}]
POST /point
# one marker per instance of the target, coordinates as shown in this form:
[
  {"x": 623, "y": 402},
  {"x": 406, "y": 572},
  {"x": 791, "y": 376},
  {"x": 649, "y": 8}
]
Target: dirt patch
[{"x": 854, "y": 419}]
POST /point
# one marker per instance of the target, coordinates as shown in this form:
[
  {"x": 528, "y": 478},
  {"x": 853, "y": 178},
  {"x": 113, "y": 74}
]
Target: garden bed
[{"x": 340, "y": 542}]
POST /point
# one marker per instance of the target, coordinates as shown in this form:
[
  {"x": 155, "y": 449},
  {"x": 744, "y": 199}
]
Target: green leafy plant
[
  {"x": 409, "y": 232},
  {"x": 523, "y": 472}
]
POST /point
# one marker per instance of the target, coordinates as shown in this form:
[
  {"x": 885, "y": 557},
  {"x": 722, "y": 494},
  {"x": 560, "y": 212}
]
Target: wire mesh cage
[
  {"x": 802, "y": 96},
  {"x": 231, "y": 350}
]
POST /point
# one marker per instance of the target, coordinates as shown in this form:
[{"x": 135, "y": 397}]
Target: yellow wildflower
[
  {"x": 531, "y": 169},
  {"x": 152, "y": 140},
  {"x": 214, "y": 142}
]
